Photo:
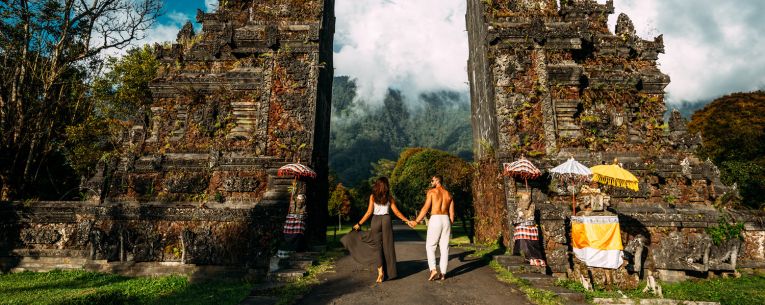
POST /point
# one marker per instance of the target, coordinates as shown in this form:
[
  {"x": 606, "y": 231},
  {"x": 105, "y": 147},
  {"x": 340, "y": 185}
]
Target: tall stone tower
[
  {"x": 549, "y": 83},
  {"x": 247, "y": 94}
]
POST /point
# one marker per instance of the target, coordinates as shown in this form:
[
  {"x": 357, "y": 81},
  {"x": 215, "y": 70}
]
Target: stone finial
[
  {"x": 200, "y": 15},
  {"x": 186, "y": 33},
  {"x": 624, "y": 26},
  {"x": 676, "y": 121}
]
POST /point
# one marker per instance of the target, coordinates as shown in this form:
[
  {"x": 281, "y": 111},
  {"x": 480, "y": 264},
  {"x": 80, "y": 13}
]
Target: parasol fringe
[{"x": 632, "y": 185}]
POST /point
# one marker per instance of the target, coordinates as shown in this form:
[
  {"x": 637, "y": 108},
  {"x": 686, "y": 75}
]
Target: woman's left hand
[{"x": 356, "y": 227}]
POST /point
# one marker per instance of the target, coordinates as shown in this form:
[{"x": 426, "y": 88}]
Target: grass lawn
[
  {"x": 749, "y": 289},
  {"x": 81, "y": 287}
]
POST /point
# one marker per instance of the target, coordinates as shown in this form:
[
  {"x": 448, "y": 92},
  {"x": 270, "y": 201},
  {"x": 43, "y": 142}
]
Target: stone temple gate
[{"x": 197, "y": 187}]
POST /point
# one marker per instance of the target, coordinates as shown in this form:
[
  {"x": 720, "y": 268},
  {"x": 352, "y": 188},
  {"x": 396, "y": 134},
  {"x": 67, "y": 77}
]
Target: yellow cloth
[
  {"x": 597, "y": 236},
  {"x": 597, "y": 240}
]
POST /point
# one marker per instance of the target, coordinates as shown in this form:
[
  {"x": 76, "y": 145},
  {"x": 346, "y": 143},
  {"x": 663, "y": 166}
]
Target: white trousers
[{"x": 439, "y": 231}]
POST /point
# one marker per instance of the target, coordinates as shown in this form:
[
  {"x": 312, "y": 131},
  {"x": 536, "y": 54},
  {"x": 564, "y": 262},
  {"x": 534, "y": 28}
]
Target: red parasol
[
  {"x": 522, "y": 168},
  {"x": 296, "y": 170}
]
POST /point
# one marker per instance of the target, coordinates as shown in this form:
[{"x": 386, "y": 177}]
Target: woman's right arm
[{"x": 370, "y": 208}]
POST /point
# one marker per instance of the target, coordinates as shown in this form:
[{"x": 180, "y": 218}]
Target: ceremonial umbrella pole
[{"x": 572, "y": 173}]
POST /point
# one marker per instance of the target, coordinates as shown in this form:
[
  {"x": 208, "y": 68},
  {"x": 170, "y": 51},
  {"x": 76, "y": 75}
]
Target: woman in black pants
[{"x": 376, "y": 247}]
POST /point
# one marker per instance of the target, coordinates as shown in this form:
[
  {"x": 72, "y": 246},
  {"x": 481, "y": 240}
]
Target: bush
[{"x": 410, "y": 181}]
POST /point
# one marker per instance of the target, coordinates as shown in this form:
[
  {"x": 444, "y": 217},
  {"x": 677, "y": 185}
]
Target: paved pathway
[{"x": 469, "y": 281}]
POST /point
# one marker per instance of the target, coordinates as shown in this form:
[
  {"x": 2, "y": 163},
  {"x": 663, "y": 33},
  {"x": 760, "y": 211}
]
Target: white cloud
[
  {"x": 211, "y": 5},
  {"x": 712, "y": 47},
  {"x": 161, "y": 32},
  {"x": 414, "y": 46}
]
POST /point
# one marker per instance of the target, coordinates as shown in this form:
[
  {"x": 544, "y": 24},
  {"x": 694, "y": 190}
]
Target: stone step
[
  {"x": 506, "y": 260},
  {"x": 312, "y": 255},
  {"x": 537, "y": 279},
  {"x": 264, "y": 288},
  {"x": 259, "y": 300},
  {"x": 567, "y": 112},
  {"x": 566, "y": 103},
  {"x": 571, "y": 297},
  {"x": 287, "y": 275},
  {"x": 297, "y": 263}
]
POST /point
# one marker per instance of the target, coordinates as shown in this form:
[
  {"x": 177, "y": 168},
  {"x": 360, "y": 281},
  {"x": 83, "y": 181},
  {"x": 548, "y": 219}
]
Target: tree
[
  {"x": 339, "y": 205},
  {"x": 50, "y": 50},
  {"x": 410, "y": 181},
  {"x": 120, "y": 98},
  {"x": 381, "y": 168},
  {"x": 733, "y": 129}
]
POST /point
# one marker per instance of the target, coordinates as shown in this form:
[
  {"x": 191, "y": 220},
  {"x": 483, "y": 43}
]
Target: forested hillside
[
  {"x": 733, "y": 131},
  {"x": 364, "y": 132}
]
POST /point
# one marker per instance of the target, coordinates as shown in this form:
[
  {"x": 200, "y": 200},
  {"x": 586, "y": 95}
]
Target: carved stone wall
[
  {"x": 550, "y": 82},
  {"x": 231, "y": 104},
  {"x": 98, "y": 237}
]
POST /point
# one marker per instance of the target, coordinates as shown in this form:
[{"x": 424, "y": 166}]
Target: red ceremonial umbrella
[
  {"x": 522, "y": 168},
  {"x": 295, "y": 170}
]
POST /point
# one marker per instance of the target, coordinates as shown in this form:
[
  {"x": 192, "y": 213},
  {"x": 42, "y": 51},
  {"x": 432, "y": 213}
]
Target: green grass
[
  {"x": 535, "y": 295},
  {"x": 728, "y": 291},
  {"x": 294, "y": 290},
  {"x": 82, "y": 287},
  {"x": 333, "y": 241}
]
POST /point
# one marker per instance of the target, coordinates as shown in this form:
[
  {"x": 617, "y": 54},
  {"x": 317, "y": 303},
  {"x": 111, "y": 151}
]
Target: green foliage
[
  {"x": 733, "y": 130},
  {"x": 81, "y": 287},
  {"x": 410, "y": 178},
  {"x": 339, "y": 202},
  {"x": 748, "y": 289},
  {"x": 725, "y": 231},
  {"x": 119, "y": 98},
  {"x": 535, "y": 295},
  {"x": 292, "y": 291},
  {"x": 51, "y": 53},
  {"x": 382, "y": 168},
  {"x": 364, "y": 132},
  {"x": 343, "y": 94}
]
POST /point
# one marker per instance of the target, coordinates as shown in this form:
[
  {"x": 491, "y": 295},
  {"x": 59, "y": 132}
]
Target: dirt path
[{"x": 469, "y": 281}]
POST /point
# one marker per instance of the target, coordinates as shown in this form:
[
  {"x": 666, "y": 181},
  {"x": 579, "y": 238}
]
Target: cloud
[
  {"x": 164, "y": 31},
  {"x": 211, "y": 5},
  {"x": 712, "y": 47},
  {"x": 413, "y": 46}
]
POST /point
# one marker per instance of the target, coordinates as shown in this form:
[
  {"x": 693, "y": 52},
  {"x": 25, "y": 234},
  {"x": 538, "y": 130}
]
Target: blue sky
[
  {"x": 185, "y": 7},
  {"x": 712, "y": 47}
]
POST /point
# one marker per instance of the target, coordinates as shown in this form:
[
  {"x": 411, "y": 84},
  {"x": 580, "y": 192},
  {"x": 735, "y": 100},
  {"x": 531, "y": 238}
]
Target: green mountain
[{"x": 363, "y": 132}]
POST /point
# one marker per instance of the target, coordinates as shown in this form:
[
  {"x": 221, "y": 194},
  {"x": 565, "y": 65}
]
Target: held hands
[
  {"x": 356, "y": 227},
  {"x": 411, "y": 223}
]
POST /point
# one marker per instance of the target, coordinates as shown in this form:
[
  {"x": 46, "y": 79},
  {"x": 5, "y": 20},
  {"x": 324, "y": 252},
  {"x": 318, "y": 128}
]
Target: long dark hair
[{"x": 381, "y": 191}]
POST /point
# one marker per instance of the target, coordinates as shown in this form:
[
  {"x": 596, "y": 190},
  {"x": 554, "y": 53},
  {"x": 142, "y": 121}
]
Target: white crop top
[{"x": 381, "y": 209}]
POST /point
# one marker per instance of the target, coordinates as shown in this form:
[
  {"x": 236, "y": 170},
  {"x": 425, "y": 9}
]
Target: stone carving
[
  {"x": 241, "y": 184},
  {"x": 634, "y": 252},
  {"x": 96, "y": 244},
  {"x": 723, "y": 257},
  {"x": 39, "y": 236},
  {"x": 186, "y": 183},
  {"x": 679, "y": 251},
  {"x": 525, "y": 209}
]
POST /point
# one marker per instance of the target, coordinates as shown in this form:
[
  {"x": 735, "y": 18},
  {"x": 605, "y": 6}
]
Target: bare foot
[
  {"x": 433, "y": 275},
  {"x": 442, "y": 276}
]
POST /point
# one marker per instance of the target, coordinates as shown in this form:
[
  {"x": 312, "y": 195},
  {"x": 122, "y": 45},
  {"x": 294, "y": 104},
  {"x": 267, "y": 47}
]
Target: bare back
[{"x": 440, "y": 201}]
